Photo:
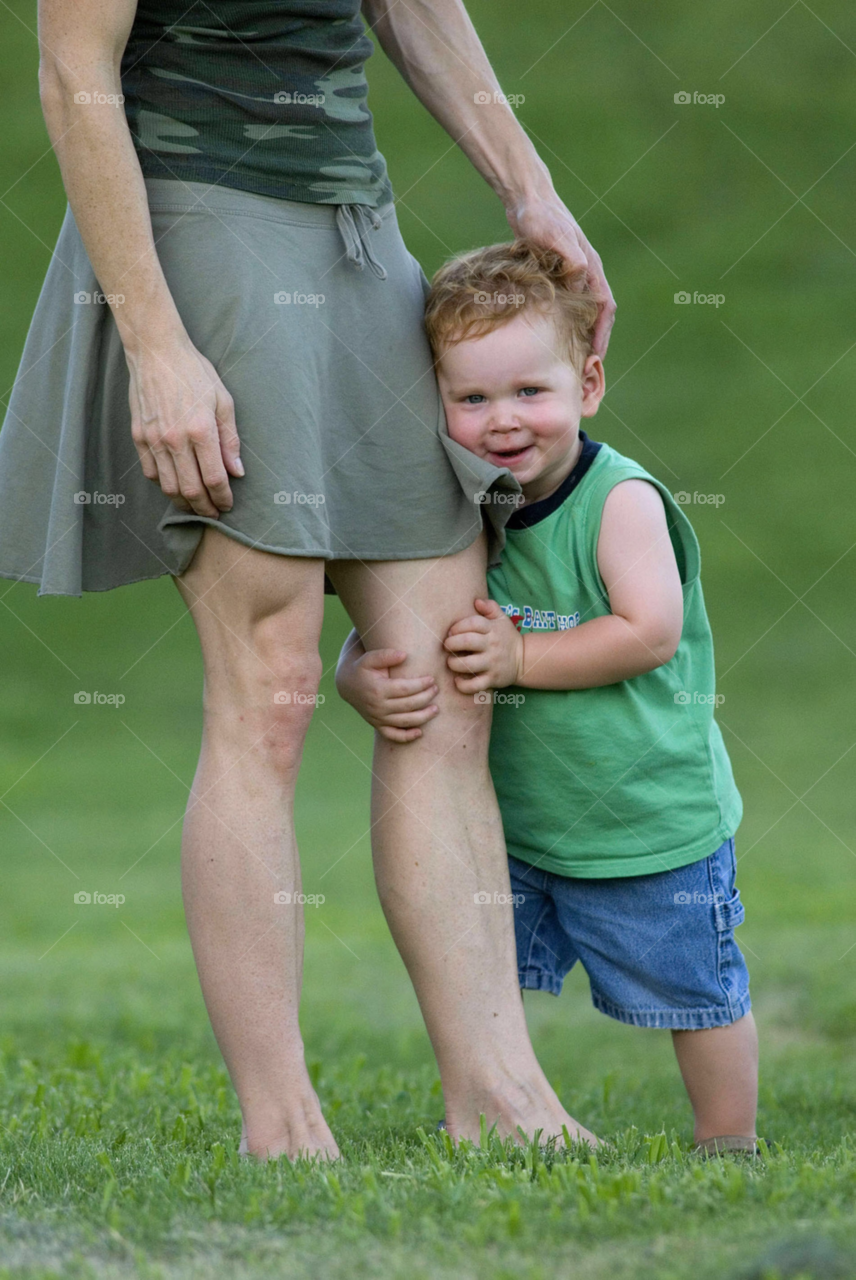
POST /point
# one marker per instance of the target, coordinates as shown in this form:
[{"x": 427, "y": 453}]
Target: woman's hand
[
  {"x": 549, "y": 223},
  {"x": 436, "y": 49},
  {"x": 395, "y": 706},
  {"x": 486, "y": 650},
  {"x": 183, "y": 426}
]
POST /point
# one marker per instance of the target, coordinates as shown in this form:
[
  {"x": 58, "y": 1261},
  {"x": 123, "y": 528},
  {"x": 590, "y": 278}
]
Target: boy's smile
[{"x": 514, "y": 398}]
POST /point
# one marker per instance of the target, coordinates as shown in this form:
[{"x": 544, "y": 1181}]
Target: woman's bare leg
[
  {"x": 439, "y": 850},
  {"x": 258, "y": 617}
]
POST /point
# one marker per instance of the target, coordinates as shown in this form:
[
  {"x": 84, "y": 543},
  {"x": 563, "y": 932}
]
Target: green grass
[
  {"x": 118, "y": 1147},
  {"x": 403, "y": 1200}
]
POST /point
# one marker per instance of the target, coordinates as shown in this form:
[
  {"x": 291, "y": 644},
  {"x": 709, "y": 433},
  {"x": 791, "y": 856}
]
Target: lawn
[{"x": 120, "y": 1129}]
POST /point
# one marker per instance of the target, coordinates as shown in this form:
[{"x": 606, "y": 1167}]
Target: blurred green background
[{"x": 750, "y": 400}]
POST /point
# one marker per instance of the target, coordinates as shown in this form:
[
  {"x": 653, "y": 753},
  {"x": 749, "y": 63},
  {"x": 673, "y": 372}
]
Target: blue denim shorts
[{"x": 659, "y": 949}]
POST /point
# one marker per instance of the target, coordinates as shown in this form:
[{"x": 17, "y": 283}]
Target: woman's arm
[
  {"x": 435, "y": 47},
  {"x": 182, "y": 417}
]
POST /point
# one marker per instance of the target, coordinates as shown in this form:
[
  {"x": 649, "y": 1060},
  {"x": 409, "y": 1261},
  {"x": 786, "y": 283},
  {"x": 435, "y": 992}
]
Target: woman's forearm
[
  {"x": 436, "y": 49},
  {"x": 105, "y": 188},
  {"x": 182, "y": 416}
]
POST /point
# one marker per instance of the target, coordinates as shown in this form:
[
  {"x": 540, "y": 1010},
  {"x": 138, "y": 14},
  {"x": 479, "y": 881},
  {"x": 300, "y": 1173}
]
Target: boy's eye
[
  {"x": 529, "y": 391},
  {"x": 475, "y": 398}
]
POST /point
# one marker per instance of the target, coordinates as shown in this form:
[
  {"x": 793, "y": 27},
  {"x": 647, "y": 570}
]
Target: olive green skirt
[{"x": 312, "y": 315}]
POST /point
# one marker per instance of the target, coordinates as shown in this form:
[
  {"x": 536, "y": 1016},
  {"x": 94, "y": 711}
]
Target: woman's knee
[
  {"x": 259, "y": 628},
  {"x": 262, "y": 707}
]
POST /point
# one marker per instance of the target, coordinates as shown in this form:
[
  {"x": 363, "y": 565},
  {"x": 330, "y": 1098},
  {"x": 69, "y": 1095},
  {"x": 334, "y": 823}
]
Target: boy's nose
[{"x": 502, "y": 424}]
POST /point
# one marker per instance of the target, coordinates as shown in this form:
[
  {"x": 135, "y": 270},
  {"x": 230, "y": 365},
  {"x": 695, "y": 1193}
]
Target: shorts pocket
[{"x": 728, "y": 915}]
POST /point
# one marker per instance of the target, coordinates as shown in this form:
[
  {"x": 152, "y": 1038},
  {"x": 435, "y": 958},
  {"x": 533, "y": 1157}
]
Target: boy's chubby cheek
[{"x": 463, "y": 432}]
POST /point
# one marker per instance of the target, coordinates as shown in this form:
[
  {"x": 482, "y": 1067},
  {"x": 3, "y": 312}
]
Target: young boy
[{"x": 615, "y": 787}]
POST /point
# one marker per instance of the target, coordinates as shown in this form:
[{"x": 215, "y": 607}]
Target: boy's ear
[{"x": 593, "y": 386}]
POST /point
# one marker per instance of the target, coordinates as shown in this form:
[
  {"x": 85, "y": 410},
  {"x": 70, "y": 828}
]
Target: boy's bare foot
[{"x": 729, "y": 1143}]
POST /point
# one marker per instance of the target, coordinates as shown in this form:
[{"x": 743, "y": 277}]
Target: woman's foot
[
  {"x": 302, "y": 1136},
  {"x": 529, "y": 1109}
]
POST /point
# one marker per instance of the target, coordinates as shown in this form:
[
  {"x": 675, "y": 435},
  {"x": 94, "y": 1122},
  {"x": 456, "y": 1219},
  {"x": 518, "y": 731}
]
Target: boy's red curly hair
[{"x": 477, "y": 292}]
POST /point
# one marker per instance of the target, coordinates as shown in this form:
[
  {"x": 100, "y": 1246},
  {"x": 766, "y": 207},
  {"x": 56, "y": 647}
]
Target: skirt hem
[{"x": 302, "y": 553}]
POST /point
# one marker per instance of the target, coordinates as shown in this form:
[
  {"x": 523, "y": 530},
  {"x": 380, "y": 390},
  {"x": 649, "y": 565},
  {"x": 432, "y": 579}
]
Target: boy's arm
[
  {"x": 637, "y": 563},
  {"x": 396, "y": 707}
]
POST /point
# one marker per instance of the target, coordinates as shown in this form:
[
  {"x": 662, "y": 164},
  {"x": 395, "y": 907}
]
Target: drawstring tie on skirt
[{"x": 354, "y": 222}]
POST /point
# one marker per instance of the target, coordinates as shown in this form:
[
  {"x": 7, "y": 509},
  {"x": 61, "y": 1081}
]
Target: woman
[{"x": 232, "y": 227}]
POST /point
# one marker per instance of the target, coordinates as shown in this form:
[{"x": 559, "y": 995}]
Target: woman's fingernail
[{"x": 239, "y": 467}]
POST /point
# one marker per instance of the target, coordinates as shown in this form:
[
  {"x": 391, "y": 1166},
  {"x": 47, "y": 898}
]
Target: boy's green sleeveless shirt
[
  {"x": 268, "y": 96},
  {"x": 630, "y": 778}
]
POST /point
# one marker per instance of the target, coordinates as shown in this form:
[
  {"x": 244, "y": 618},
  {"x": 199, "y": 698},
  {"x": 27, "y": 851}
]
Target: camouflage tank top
[{"x": 267, "y": 96}]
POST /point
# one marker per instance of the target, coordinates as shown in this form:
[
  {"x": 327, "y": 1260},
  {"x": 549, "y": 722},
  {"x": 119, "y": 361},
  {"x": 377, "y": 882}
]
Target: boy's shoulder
[{"x": 597, "y": 470}]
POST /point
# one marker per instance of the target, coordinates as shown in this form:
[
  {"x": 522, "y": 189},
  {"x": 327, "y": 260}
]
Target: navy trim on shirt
[{"x": 537, "y": 511}]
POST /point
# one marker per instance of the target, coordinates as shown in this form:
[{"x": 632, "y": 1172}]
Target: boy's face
[{"x": 512, "y": 397}]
